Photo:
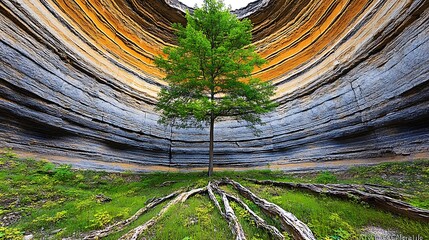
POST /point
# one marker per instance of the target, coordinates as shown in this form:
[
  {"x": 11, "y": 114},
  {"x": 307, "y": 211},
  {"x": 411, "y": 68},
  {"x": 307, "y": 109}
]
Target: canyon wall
[{"x": 77, "y": 81}]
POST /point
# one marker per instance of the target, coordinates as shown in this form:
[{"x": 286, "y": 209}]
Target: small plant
[
  {"x": 426, "y": 171},
  {"x": 326, "y": 177},
  {"x": 203, "y": 214},
  {"x": 80, "y": 177},
  {"x": 8, "y": 152},
  {"x": 101, "y": 219},
  {"x": 241, "y": 212},
  {"x": 343, "y": 229},
  {"x": 286, "y": 235},
  {"x": 257, "y": 237},
  {"x": 44, "y": 219},
  {"x": 7, "y": 233},
  {"x": 84, "y": 204},
  {"x": 51, "y": 204},
  {"x": 48, "y": 167},
  {"x": 2, "y": 211},
  {"x": 63, "y": 172},
  {"x": 96, "y": 178}
]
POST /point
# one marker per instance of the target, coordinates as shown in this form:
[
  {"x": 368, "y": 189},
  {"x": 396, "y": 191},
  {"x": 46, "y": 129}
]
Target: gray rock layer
[{"x": 373, "y": 101}]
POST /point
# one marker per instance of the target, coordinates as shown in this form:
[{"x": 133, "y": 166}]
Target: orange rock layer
[{"x": 291, "y": 35}]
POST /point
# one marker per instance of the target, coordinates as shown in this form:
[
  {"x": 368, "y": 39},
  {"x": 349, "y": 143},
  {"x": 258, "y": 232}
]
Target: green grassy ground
[{"x": 39, "y": 198}]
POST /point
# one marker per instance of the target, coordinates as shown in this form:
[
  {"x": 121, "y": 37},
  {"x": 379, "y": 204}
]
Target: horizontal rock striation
[{"x": 77, "y": 81}]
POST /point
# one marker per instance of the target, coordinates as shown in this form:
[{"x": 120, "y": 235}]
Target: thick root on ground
[
  {"x": 213, "y": 198},
  {"x": 383, "y": 190},
  {"x": 229, "y": 215},
  {"x": 290, "y": 223},
  {"x": 122, "y": 224},
  {"x": 373, "y": 195},
  {"x": 136, "y": 232},
  {"x": 258, "y": 220},
  {"x": 232, "y": 219}
]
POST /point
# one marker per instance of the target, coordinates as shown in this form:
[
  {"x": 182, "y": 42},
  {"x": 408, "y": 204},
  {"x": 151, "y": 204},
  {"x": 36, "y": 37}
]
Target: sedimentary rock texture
[{"x": 77, "y": 80}]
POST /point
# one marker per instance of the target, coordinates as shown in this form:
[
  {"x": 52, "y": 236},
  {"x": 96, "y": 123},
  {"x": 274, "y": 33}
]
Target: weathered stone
[
  {"x": 77, "y": 81},
  {"x": 28, "y": 237}
]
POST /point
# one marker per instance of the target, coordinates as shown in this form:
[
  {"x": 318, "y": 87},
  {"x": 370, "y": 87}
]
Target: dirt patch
[
  {"x": 9, "y": 219},
  {"x": 379, "y": 233}
]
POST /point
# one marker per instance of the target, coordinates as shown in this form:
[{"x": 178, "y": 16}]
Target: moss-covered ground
[{"x": 55, "y": 201}]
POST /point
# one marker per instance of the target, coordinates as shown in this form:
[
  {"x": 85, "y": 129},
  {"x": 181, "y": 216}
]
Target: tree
[{"x": 209, "y": 73}]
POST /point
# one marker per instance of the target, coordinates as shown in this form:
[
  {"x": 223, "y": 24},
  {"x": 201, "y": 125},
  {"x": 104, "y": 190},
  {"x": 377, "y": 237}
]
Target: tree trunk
[{"x": 211, "y": 153}]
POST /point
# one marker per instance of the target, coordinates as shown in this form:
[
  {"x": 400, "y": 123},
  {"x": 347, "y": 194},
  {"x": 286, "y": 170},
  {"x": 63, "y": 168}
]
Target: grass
[
  {"x": 195, "y": 219},
  {"x": 327, "y": 216},
  {"x": 47, "y": 200}
]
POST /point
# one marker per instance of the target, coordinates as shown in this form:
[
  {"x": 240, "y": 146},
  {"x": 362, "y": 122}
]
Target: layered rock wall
[{"x": 77, "y": 81}]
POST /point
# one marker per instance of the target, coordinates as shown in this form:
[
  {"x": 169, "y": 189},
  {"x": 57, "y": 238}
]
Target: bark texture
[
  {"x": 275, "y": 233},
  {"x": 378, "y": 196},
  {"x": 373, "y": 194},
  {"x": 235, "y": 226},
  {"x": 289, "y": 222}
]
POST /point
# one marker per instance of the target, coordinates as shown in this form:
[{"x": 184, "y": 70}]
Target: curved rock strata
[{"x": 77, "y": 80}]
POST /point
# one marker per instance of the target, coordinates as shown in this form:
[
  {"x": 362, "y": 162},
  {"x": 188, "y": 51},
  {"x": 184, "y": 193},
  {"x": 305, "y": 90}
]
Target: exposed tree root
[
  {"x": 166, "y": 183},
  {"x": 383, "y": 190},
  {"x": 258, "y": 220},
  {"x": 289, "y": 222},
  {"x": 232, "y": 219},
  {"x": 135, "y": 233},
  {"x": 229, "y": 215},
  {"x": 213, "y": 198},
  {"x": 374, "y": 195},
  {"x": 380, "y": 196},
  {"x": 122, "y": 224}
]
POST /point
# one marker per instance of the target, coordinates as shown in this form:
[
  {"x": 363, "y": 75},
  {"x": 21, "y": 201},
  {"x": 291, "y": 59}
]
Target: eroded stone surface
[{"x": 78, "y": 81}]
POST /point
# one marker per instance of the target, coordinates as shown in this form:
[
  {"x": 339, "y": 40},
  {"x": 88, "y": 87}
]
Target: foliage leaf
[{"x": 209, "y": 73}]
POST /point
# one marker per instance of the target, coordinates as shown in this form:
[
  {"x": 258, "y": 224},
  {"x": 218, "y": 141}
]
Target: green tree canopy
[{"x": 209, "y": 72}]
